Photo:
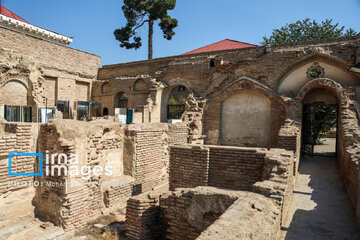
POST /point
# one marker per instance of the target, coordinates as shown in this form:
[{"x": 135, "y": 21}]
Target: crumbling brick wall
[
  {"x": 19, "y": 137},
  {"x": 202, "y": 212},
  {"x": 290, "y": 139},
  {"x": 141, "y": 164},
  {"x": 251, "y": 216},
  {"x": 72, "y": 201},
  {"x": 143, "y": 217}
]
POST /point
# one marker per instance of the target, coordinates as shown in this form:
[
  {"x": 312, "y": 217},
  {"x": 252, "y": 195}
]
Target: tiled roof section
[
  {"x": 222, "y": 45},
  {"x": 7, "y": 12}
]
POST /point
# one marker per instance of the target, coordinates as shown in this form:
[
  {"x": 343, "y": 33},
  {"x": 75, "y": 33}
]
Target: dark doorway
[
  {"x": 319, "y": 130},
  {"x": 105, "y": 112}
]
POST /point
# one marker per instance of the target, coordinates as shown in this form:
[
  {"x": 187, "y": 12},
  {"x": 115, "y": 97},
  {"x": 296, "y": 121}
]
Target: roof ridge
[{"x": 221, "y": 45}]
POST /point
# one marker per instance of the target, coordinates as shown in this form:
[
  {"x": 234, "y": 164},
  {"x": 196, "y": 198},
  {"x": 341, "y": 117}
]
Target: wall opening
[
  {"x": 176, "y": 102},
  {"x": 121, "y": 100},
  {"x": 105, "y": 112},
  {"x": 319, "y": 123}
]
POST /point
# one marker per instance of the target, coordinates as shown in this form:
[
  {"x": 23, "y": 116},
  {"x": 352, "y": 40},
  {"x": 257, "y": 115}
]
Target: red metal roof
[
  {"x": 222, "y": 45},
  {"x": 7, "y": 12}
]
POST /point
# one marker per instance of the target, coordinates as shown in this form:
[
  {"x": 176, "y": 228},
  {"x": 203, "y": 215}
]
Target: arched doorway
[
  {"x": 105, "y": 112},
  {"x": 319, "y": 122},
  {"x": 176, "y": 102}
]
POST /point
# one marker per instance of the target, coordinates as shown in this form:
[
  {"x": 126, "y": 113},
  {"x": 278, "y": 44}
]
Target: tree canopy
[
  {"x": 139, "y": 12},
  {"x": 307, "y": 30}
]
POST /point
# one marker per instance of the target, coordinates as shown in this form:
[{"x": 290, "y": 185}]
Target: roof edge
[
  {"x": 332, "y": 40},
  {"x": 34, "y": 30}
]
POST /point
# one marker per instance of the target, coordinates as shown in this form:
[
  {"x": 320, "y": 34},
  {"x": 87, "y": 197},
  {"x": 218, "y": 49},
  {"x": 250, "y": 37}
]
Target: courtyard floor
[{"x": 320, "y": 208}]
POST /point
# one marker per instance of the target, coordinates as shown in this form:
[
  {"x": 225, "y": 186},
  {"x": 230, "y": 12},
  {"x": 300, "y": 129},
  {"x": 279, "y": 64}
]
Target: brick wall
[
  {"x": 147, "y": 151},
  {"x": 50, "y": 54},
  {"x": 235, "y": 168},
  {"x": 189, "y": 166},
  {"x": 143, "y": 217},
  {"x": 290, "y": 139},
  {"x": 227, "y": 167},
  {"x": 31, "y": 62},
  {"x": 19, "y": 137},
  {"x": 348, "y": 153}
]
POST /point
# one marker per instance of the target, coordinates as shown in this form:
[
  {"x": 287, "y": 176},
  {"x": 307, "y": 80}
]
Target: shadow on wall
[{"x": 321, "y": 208}]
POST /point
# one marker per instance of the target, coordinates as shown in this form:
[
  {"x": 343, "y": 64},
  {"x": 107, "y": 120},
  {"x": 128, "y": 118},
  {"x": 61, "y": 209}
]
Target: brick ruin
[{"x": 226, "y": 171}]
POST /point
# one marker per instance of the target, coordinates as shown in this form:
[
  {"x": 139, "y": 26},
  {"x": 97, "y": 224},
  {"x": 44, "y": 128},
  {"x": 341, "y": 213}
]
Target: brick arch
[
  {"x": 244, "y": 84},
  {"x": 14, "y": 92},
  {"x": 325, "y": 83}
]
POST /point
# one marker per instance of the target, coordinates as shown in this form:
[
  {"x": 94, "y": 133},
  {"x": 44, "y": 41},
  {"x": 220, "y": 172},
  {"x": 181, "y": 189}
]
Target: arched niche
[
  {"x": 106, "y": 88},
  {"x": 246, "y": 119},
  {"x": 327, "y": 67},
  {"x": 240, "y": 96},
  {"x": 14, "y": 93},
  {"x": 140, "y": 85}
]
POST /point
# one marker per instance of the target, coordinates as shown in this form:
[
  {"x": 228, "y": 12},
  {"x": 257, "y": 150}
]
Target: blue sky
[{"x": 201, "y": 22}]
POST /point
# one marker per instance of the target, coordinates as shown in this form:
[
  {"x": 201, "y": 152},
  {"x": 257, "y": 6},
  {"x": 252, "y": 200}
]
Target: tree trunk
[{"x": 150, "y": 42}]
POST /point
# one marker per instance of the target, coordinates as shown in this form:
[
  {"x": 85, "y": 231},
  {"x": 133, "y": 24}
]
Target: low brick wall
[
  {"x": 219, "y": 166},
  {"x": 143, "y": 217},
  {"x": 235, "y": 168},
  {"x": 189, "y": 166}
]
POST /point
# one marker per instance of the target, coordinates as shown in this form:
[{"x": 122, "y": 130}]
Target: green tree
[
  {"x": 139, "y": 12},
  {"x": 307, "y": 30},
  {"x": 325, "y": 120}
]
